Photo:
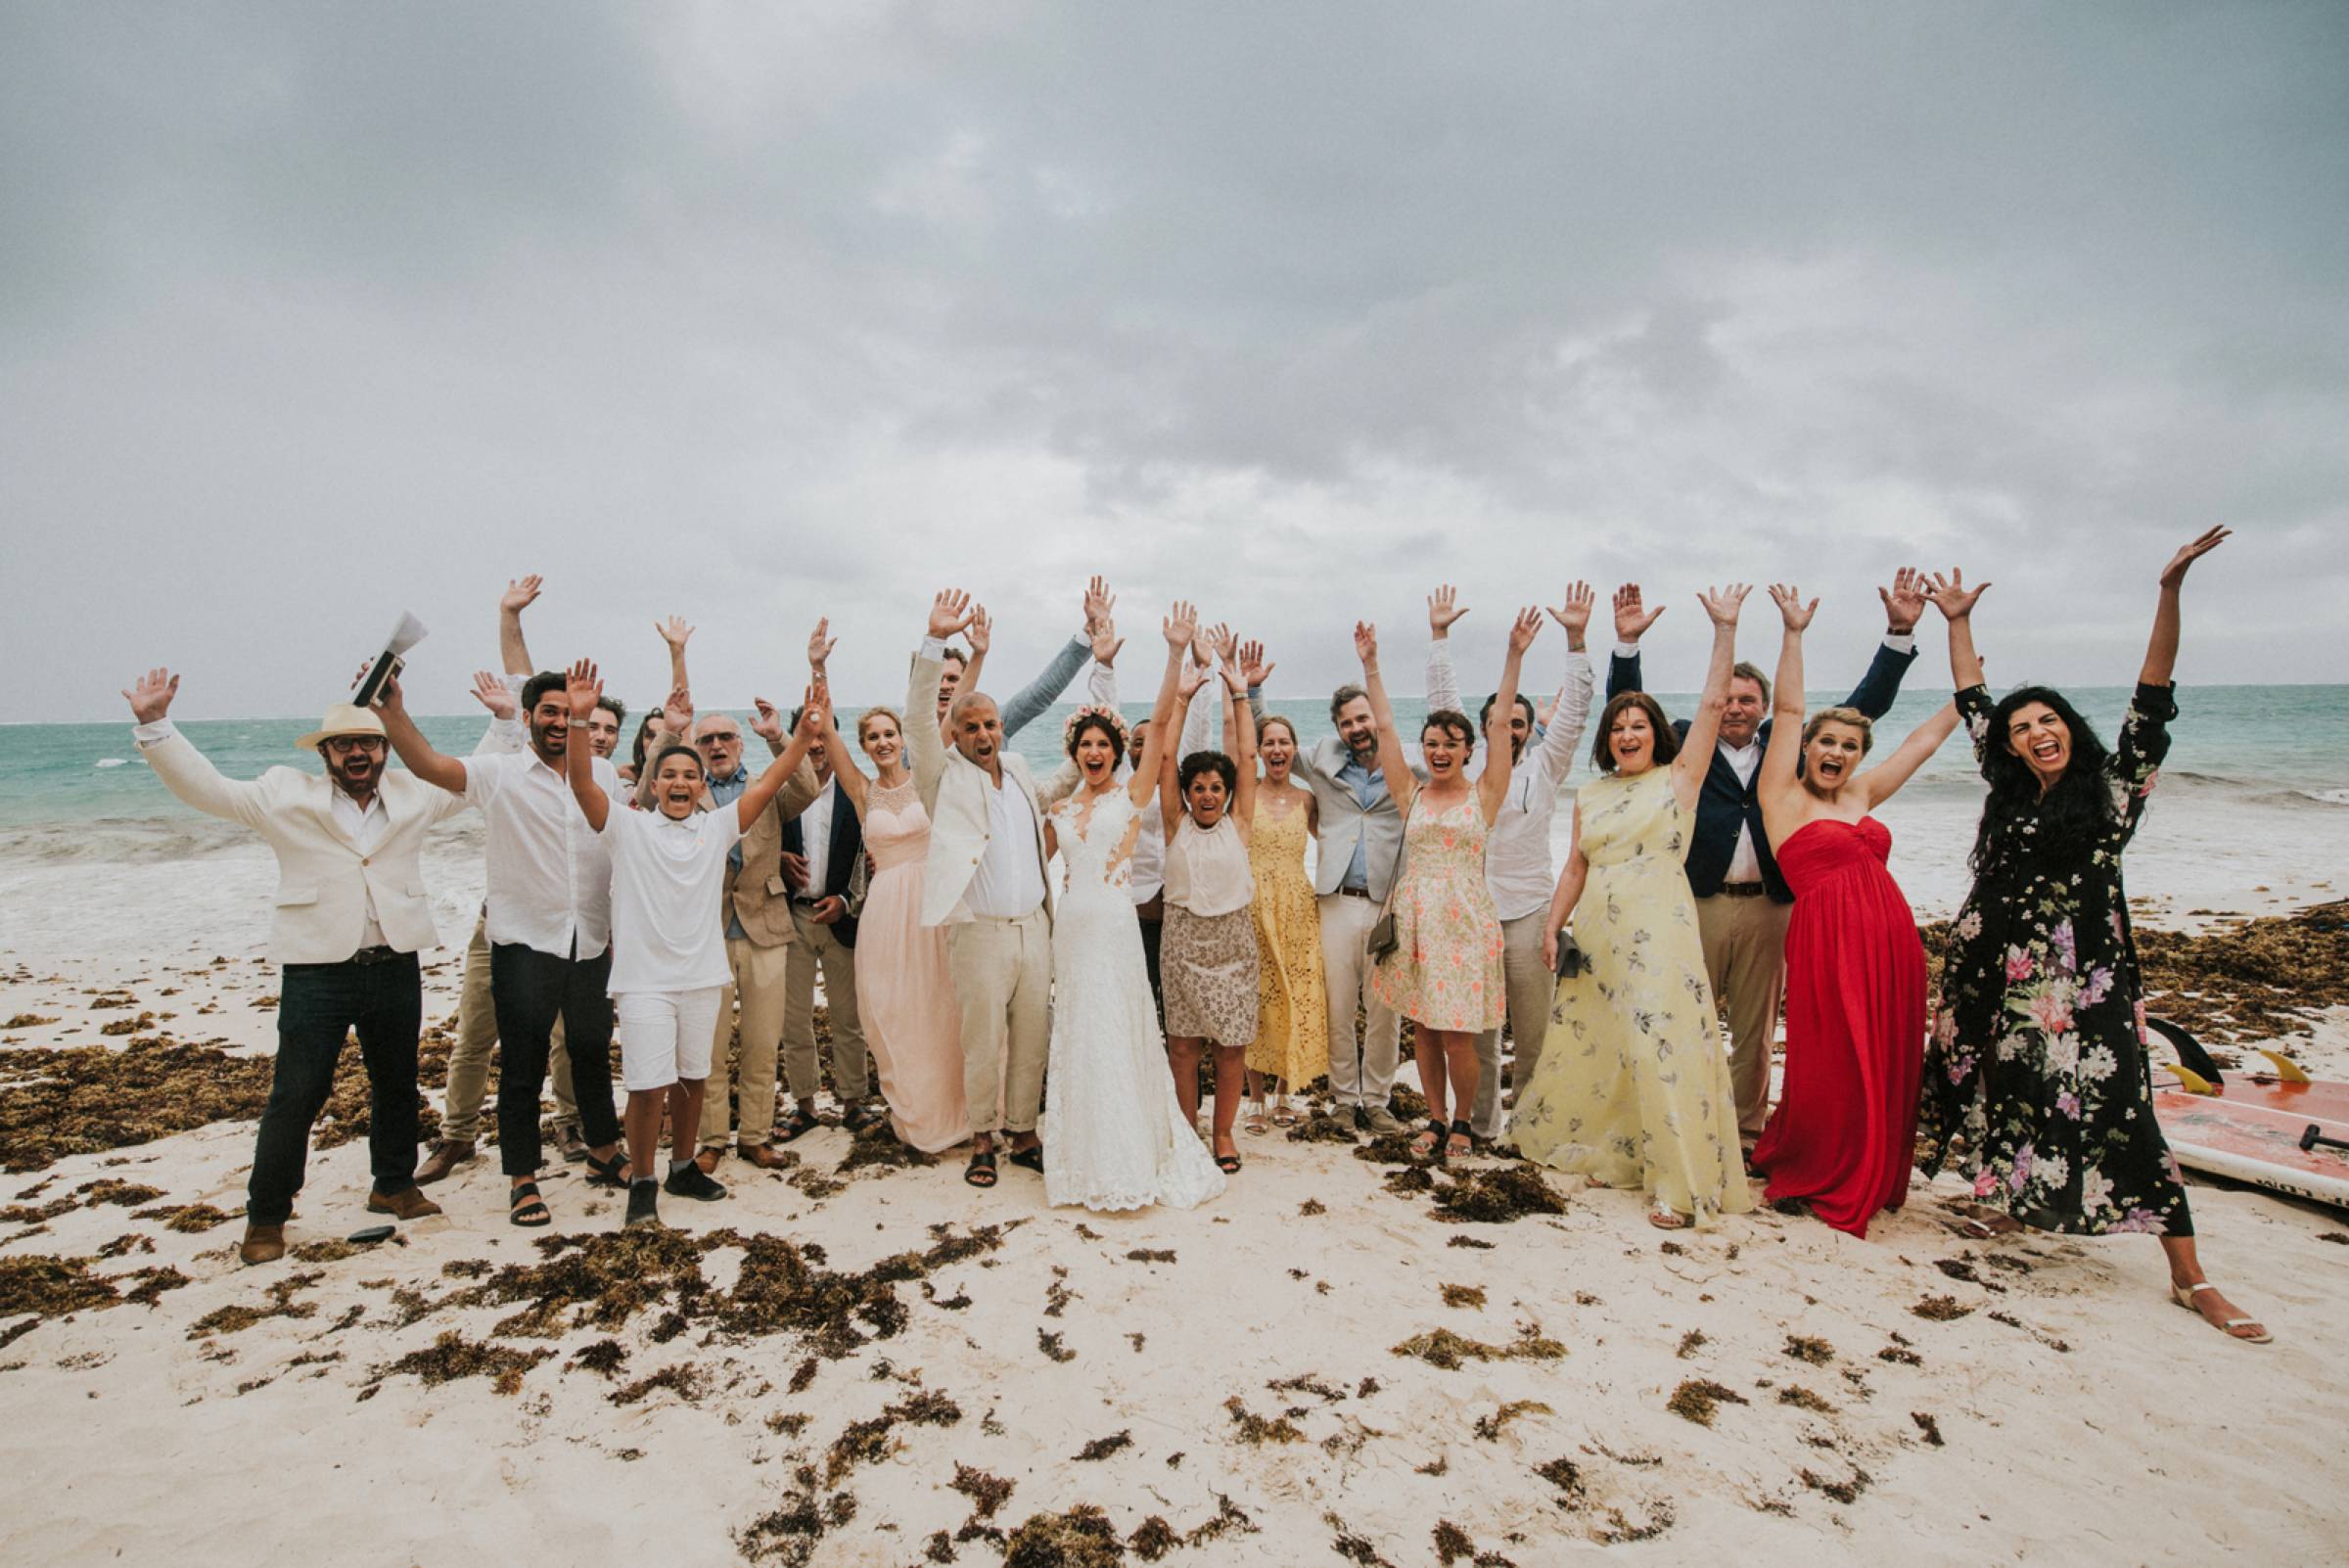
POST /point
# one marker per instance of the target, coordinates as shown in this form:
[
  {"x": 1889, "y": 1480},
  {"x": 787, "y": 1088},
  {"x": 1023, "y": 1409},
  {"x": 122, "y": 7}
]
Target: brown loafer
[
  {"x": 262, "y": 1244},
  {"x": 409, "y": 1203},
  {"x": 445, "y": 1156},
  {"x": 767, "y": 1157},
  {"x": 706, "y": 1160}
]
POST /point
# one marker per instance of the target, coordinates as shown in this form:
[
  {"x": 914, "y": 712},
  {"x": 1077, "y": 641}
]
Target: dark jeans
[
  {"x": 1153, "y": 928},
  {"x": 530, "y": 989},
  {"x": 318, "y": 1007}
]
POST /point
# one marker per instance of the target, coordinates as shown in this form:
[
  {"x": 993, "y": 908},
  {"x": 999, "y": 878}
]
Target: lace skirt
[{"x": 1207, "y": 967}]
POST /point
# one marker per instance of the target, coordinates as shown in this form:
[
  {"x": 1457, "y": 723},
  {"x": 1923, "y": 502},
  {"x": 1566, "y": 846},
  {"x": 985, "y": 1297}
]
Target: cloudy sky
[{"x": 310, "y": 313}]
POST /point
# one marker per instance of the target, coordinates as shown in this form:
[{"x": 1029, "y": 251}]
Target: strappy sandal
[
  {"x": 799, "y": 1124},
  {"x": 1030, "y": 1158},
  {"x": 1461, "y": 1142},
  {"x": 1429, "y": 1144},
  {"x": 612, "y": 1173},
  {"x": 2184, "y": 1296},
  {"x": 1285, "y": 1115},
  {"x": 981, "y": 1172},
  {"x": 1256, "y": 1124},
  {"x": 524, "y": 1208},
  {"x": 856, "y": 1118},
  {"x": 1229, "y": 1164},
  {"x": 1668, "y": 1218}
]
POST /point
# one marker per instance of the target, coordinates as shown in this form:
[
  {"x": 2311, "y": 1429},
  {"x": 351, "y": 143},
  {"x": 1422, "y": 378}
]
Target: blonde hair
[
  {"x": 1271, "y": 720},
  {"x": 1841, "y": 716},
  {"x": 871, "y": 713}
]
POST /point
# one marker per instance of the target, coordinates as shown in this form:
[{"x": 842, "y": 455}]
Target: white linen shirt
[
  {"x": 549, "y": 873},
  {"x": 1007, "y": 882},
  {"x": 669, "y": 880},
  {"x": 1744, "y": 865},
  {"x": 815, "y": 838},
  {"x": 1517, "y": 865}
]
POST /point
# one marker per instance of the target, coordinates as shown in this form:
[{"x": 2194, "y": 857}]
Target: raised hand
[
  {"x": 1099, "y": 603},
  {"x": 980, "y": 628},
  {"x": 1224, "y": 642},
  {"x": 1526, "y": 628},
  {"x": 814, "y": 708},
  {"x": 151, "y": 697},
  {"x": 1181, "y": 625},
  {"x": 520, "y": 593},
  {"x": 950, "y": 612},
  {"x": 1253, "y": 668},
  {"x": 1574, "y": 614},
  {"x": 1444, "y": 607},
  {"x": 676, "y": 714},
  {"x": 1953, "y": 598},
  {"x": 582, "y": 688},
  {"x": 1201, "y": 653},
  {"x": 1106, "y": 642},
  {"x": 2175, "y": 573},
  {"x": 1366, "y": 643},
  {"x": 1194, "y": 675},
  {"x": 493, "y": 694},
  {"x": 392, "y": 699},
  {"x": 820, "y": 643},
  {"x": 768, "y": 722},
  {"x": 1791, "y": 609},
  {"x": 1903, "y": 601},
  {"x": 1722, "y": 604},
  {"x": 674, "y": 631},
  {"x": 1631, "y": 618}
]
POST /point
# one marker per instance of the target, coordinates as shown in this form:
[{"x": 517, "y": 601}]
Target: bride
[{"x": 1114, "y": 1136}]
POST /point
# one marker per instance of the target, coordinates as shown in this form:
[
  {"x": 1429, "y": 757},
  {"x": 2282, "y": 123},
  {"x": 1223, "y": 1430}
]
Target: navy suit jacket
[
  {"x": 839, "y": 864},
  {"x": 1724, "y": 803}
]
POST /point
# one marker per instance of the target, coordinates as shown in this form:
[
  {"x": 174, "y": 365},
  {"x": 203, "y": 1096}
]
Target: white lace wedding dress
[{"x": 1114, "y": 1136}]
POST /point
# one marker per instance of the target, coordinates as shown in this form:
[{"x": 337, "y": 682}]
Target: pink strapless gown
[{"x": 904, "y": 995}]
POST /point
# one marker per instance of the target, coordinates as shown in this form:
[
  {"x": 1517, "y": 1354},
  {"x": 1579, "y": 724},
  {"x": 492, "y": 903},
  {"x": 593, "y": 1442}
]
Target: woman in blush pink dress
[{"x": 904, "y": 995}]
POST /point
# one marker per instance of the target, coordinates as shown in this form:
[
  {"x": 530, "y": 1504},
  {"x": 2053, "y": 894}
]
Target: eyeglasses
[
  {"x": 724, "y": 737},
  {"x": 354, "y": 743}
]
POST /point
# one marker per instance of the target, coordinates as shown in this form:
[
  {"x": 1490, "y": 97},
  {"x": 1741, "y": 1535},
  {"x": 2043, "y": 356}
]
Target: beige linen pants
[
  {"x": 818, "y": 947},
  {"x": 761, "y": 985},
  {"x": 1347, "y": 970},
  {"x": 1002, "y": 972},
  {"x": 1532, "y": 988},
  {"x": 476, "y": 1033},
  {"x": 1745, "y": 959}
]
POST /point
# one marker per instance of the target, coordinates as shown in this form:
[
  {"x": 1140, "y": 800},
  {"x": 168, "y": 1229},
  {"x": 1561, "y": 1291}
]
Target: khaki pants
[
  {"x": 476, "y": 1033},
  {"x": 1745, "y": 958},
  {"x": 1347, "y": 969},
  {"x": 1532, "y": 988},
  {"x": 818, "y": 947},
  {"x": 1002, "y": 971},
  {"x": 759, "y": 985}
]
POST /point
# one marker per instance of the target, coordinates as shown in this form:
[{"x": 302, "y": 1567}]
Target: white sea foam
[
  {"x": 111, "y": 762},
  {"x": 2327, "y": 796}
]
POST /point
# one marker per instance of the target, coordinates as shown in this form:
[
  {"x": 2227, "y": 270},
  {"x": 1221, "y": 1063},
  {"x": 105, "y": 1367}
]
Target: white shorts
[{"x": 664, "y": 1035}]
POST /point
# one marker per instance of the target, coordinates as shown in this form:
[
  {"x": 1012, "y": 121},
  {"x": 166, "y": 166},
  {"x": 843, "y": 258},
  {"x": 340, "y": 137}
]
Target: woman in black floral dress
[{"x": 2037, "y": 1065}]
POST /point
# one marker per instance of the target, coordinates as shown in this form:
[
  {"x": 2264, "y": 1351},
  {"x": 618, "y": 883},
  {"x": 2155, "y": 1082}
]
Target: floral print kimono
[{"x": 2037, "y": 1064}]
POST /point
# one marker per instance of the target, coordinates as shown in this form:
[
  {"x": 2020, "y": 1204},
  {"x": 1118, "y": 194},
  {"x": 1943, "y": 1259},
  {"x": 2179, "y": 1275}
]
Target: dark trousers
[
  {"x": 317, "y": 1008},
  {"x": 530, "y": 989},
  {"x": 1153, "y": 928}
]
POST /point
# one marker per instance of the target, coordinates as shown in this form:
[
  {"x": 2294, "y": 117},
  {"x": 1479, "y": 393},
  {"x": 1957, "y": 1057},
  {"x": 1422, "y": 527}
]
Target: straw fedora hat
[{"x": 343, "y": 719}]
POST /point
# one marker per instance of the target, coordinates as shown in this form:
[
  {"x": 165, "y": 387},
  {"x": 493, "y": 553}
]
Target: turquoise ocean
[{"x": 96, "y": 858}]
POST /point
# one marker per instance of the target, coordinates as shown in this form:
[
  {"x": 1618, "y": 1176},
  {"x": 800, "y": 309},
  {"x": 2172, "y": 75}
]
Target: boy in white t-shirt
[{"x": 669, "y": 950}]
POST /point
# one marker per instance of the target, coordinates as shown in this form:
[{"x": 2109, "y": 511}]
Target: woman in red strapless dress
[{"x": 1843, "y": 1137}]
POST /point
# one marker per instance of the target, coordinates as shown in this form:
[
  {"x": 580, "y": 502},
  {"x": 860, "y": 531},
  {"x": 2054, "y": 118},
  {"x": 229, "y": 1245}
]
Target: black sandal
[
  {"x": 612, "y": 1173},
  {"x": 1467, "y": 1134},
  {"x": 981, "y": 1172},
  {"x": 802, "y": 1124},
  {"x": 526, "y": 1209},
  {"x": 1030, "y": 1158},
  {"x": 856, "y": 1118},
  {"x": 1229, "y": 1164},
  {"x": 1434, "y": 1132}
]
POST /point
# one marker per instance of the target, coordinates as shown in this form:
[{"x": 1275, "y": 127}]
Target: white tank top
[{"x": 1207, "y": 872}]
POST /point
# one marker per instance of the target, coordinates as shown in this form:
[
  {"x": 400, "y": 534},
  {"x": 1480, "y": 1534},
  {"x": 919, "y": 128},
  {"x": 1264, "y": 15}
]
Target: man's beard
[
  {"x": 359, "y": 790},
  {"x": 539, "y": 743}
]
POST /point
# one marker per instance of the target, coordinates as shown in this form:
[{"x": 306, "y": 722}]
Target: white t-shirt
[{"x": 669, "y": 880}]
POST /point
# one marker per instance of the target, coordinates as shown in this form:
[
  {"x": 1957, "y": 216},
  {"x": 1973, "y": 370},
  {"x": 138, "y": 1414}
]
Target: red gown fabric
[{"x": 1844, "y": 1134}]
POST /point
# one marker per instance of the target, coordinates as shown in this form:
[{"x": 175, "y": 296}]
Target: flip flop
[
  {"x": 526, "y": 1209},
  {"x": 1229, "y": 1164},
  {"x": 981, "y": 1172},
  {"x": 612, "y": 1173}
]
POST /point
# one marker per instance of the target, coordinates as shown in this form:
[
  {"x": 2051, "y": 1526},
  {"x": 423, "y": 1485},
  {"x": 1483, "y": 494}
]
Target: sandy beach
[{"x": 861, "y": 1361}]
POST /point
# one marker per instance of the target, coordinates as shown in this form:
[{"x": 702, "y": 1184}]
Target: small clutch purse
[
  {"x": 1572, "y": 964},
  {"x": 1383, "y": 941}
]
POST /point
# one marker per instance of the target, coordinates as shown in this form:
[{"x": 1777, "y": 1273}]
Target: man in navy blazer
[
  {"x": 822, "y": 849},
  {"x": 1743, "y": 902}
]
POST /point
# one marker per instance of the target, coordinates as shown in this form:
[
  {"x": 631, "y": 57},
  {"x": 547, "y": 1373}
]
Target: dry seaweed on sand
[
  {"x": 1929, "y": 1426},
  {"x": 1940, "y": 1309},
  {"x": 1442, "y": 1348},
  {"x": 1463, "y": 1296},
  {"x": 1082, "y": 1538},
  {"x": 1840, "y": 1491},
  {"x": 1051, "y": 1344},
  {"x": 1350, "y": 1547},
  {"x": 787, "y": 1535},
  {"x": 1151, "y": 1255},
  {"x": 1801, "y": 1398},
  {"x": 1806, "y": 1349},
  {"x": 686, "y": 1381},
  {"x": 868, "y": 1442},
  {"x": 1255, "y": 1430},
  {"x": 1567, "y": 1476},
  {"x": 1491, "y": 1427},
  {"x": 237, "y": 1318},
  {"x": 1409, "y": 1182},
  {"x": 195, "y": 1219},
  {"x": 879, "y": 1148},
  {"x": 1311, "y": 1206},
  {"x": 1470, "y": 1242},
  {"x": 316, "y": 1252},
  {"x": 1497, "y": 1195},
  {"x": 1323, "y": 1128},
  {"x": 451, "y": 1356},
  {"x": 987, "y": 1492},
  {"x": 1699, "y": 1399},
  {"x": 152, "y": 1283},
  {"x": 1101, "y": 1448},
  {"x": 604, "y": 1358},
  {"x": 52, "y": 1286},
  {"x": 1153, "y": 1539}
]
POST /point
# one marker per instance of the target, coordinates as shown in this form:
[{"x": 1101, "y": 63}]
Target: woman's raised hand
[
  {"x": 950, "y": 612},
  {"x": 979, "y": 628},
  {"x": 1181, "y": 625},
  {"x": 1526, "y": 628},
  {"x": 674, "y": 631},
  {"x": 1193, "y": 676},
  {"x": 582, "y": 689},
  {"x": 2175, "y": 573},
  {"x": 1366, "y": 643},
  {"x": 1444, "y": 607},
  {"x": 1574, "y": 614},
  {"x": 820, "y": 643},
  {"x": 1253, "y": 668},
  {"x": 1791, "y": 609},
  {"x": 1224, "y": 642},
  {"x": 1722, "y": 604},
  {"x": 1953, "y": 598},
  {"x": 676, "y": 714}
]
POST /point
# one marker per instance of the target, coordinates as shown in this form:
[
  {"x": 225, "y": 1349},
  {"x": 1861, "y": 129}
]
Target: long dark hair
[{"x": 2069, "y": 819}]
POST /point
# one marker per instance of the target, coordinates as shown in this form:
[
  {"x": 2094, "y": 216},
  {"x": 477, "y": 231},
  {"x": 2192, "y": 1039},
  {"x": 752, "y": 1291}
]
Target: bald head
[{"x": 977, "y": 728}]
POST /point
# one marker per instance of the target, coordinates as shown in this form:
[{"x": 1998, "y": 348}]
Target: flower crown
[{"x": 1114, "y": 719}]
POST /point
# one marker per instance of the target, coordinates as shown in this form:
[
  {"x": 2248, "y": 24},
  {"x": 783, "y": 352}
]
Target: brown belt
[
  {"x": 1354, "y": 892},
  {"x": 1741, "y": 890}
]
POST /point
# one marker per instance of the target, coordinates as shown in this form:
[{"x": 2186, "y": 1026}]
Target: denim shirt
[
  {"x": 1369, "y": 786},
  {"x": 725, "y": 792}
]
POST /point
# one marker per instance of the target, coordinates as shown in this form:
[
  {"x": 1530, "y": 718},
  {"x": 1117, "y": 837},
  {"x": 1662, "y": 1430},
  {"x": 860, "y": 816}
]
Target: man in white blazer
[
  {"x": 351, "y": 916},
  {"x": 984, "y": 882}
]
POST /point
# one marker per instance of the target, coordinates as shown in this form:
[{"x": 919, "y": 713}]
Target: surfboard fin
[
  {"x": 2286, "y": 1067},
  {"x": 2190, "y": 1052},
  {"x": 2193, "y": 1081}
]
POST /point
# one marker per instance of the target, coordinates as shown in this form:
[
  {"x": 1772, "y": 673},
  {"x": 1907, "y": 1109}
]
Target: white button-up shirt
[
  {"x": 1517, "y": 865},
  {"x": 1744, "y": 865},
  {"x": 1008, "y": 882},
  {"x": 549, "y": 873},
  {"x": 815, "y": 838}
]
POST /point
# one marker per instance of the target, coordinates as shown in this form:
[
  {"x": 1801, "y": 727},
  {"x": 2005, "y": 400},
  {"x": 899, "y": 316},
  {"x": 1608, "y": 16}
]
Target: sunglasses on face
[{"x": 354, "y": 743}]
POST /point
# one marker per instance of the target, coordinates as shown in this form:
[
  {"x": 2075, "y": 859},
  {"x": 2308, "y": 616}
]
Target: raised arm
[
  {"x": 520, "y": 594},
  {"x": 186, "y": 771},
  {"x": 1696, "y": 750},
  {"x": 674, "y": 631},
  {"x": 1401, "y": 783},
  {"x": 1039, "y": 694},
  {"x": 1880, "y": 683},
  {"x": 416, "y": 754},
  {"x": 1780, "y": 763},
  {"x": 673, "y": 725},
  {"x": 1884, "y": 780},
  {"x": 1632, "y": 618},
  {"x": 582, "y": 688},
  {"x": 1563, "y": 725},
  {"x": 1240, "y": 740},
  {"x": 1170, "y": 758},
  {"x": 845, "y": 765},
  {"x": 1444, "y": 607},
  {"x": 814, "y": 720},
  {"x": 2161, "y": 653},
  {"x": 979, "y": 629},
  {"x": 1180, "y": 626},
  {"x": 925, "y": 734},
  {"x": 1493, "y": 785},
  {"x": 1254, "y": 670},
  {"x": 1956, "y": 602}
]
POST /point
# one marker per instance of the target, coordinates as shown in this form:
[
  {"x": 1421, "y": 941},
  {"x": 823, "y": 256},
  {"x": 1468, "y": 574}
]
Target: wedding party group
[{"x": 1042, "y": 973}]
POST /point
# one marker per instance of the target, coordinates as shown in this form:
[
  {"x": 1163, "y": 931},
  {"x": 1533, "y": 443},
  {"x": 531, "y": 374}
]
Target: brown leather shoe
[
  {"x": 767, "y": 1157},
  {"x": 707, "y": 1160},
  {"x": 445, "y": 1156},
  {"x": 262, "y": 1244},
  {"x": 408, "y": 1204}
]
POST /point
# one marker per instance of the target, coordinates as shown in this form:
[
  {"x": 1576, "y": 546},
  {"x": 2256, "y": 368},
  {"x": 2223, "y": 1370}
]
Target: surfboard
[{"x": 2249, "y": 1129}]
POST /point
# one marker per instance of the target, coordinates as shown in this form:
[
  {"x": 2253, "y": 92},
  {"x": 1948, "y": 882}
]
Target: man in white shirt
[
  {"x": 1518, "y": 871},
  {"x": 351, "y": 916},
  {"x": 550, "y": 915}
]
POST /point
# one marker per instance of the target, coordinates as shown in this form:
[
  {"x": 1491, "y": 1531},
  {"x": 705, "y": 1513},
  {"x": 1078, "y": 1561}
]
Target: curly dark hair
[
  {"x": 538, "y": 686},
  {"x": 1215, "y": 762},
  {"x": 2066, "y": 821},
  {"x": 1453, "y": 723},
  {"x": 1114, "y": 728},
  {"x": 1667, "y": 742},
  {"x": 668, "y": 751}
]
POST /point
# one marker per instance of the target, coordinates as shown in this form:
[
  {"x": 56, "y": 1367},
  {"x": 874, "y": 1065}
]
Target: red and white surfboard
[{"x": 2250, "y": 1126}]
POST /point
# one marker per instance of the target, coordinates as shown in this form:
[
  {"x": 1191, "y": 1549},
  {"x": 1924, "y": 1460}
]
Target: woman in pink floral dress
[{"x": 1445, "y": 972}]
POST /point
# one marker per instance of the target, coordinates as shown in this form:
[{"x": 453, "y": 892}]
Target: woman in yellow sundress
[
  {"x": 1291, "y": 1047},
  {"x": 1633, "y": 1088}
]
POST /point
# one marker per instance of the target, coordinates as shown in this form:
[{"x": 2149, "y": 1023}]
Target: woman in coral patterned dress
[
  {"x": 1445, "y": 972},
  {"x": 2037, "y": 1064}
]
